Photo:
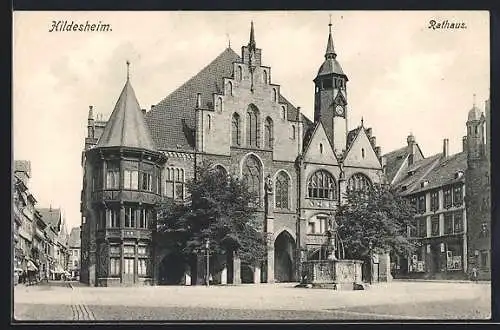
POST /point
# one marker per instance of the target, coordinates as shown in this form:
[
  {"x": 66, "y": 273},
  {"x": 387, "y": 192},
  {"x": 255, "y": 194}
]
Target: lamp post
[
  {"x": 207, "y": 248},
  {"x": 370, "y": 246}
]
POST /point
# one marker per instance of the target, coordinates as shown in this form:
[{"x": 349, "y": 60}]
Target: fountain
[{"x": 334, "y": 272}]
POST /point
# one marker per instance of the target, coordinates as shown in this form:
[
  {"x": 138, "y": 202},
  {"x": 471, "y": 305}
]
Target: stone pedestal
[
  {"x": 223, "y": 276},
  {"x": 236, "y": 269},
  {"x": 384, "y": 268},
  {"x": 270, "y": 250},
  {"x": 256, "y": 275},
  {"x": 335, "y": 274}
]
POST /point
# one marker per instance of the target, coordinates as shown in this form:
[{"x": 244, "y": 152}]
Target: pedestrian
[{"x": 474, "y": 274}]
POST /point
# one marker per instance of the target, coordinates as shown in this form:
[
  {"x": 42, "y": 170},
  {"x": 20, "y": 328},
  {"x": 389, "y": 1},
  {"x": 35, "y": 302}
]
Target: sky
[{"x": 403, "y": 76}]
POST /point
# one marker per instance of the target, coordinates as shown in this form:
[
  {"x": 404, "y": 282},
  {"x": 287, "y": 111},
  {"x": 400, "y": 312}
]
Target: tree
[
  {"x": 217, "y": 209},
  {"x": 378, "y": 215}
]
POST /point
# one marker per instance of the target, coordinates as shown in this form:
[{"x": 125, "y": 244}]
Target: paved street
[{"x": 398, "y": 300}]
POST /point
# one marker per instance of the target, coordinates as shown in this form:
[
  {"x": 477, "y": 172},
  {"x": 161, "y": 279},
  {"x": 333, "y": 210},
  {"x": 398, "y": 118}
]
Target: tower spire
[
  {"x": 128, "y": 69},
  {"x": 474, "y": 100},
  {"x": 251, "y": 43},
  {"x": 330, "y": 50}
]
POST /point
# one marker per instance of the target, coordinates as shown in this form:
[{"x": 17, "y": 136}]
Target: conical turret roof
[{"x": 126, "y": 126}]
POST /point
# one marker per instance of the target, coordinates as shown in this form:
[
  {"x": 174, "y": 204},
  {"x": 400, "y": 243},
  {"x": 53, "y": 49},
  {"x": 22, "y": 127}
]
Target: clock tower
[{"x": 330, "y": 98}]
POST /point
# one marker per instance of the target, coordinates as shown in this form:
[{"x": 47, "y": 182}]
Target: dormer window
[
  {"x": 403, "y": 188},
  {"x": 424, "y": 183},
  {"x": 459, "y": 174}
]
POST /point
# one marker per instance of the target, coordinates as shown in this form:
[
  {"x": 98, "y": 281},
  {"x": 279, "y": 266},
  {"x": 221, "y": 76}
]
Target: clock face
[{"x": 339, "y": 110}]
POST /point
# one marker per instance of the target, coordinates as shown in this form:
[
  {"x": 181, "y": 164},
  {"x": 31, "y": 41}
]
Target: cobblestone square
[{"x": 397, "y": 300}]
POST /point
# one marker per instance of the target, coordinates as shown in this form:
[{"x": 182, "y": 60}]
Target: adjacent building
[
  {"x": 24, "y": 223},
  {"x": 451, "y": 196},
  {"x": 74, "y": 244},
  {"x": 478, "y": 191},
  {"x": 233, "y": 115},
  {"x": 57, "y": 242}
]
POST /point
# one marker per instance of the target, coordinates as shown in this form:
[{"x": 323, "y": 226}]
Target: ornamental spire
[
  {"x": 251, "y": 43},
  {"x": 128, "y": 70},
  {"x": 330, "y": 50}
]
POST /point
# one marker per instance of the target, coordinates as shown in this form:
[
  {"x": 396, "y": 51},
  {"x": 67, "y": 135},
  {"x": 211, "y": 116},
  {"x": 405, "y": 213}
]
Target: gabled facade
[
  {"x": 233, "y": 115},
  {"x": 451, "y": 195}
]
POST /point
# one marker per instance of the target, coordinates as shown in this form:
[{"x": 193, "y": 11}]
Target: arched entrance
[
  {"x": 284, "y": 247},
  {"x": 172, "y": 269}
]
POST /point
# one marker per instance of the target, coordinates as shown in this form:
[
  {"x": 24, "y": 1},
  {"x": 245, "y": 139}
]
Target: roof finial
[
  {"x": 228, "y": 40},
  {"x": 330, "y": 51},
  {"x": 128, "y": 70},
  {"x": 251, "y": 44},
  {"x": 362, "y": 121},
  {"x": 474, "y": 100}
]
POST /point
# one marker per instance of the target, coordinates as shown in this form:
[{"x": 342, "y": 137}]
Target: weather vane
[{"x": 128, "y": 69}]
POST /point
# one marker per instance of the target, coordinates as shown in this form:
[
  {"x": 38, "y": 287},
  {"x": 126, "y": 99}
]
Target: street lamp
[
  {"x": 207, "y": 246},
  {"x": 370, "y": 246}
]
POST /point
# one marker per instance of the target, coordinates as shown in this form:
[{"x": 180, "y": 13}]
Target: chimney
[
  {"x": 378, "y": 151},
  {"x": 198, "y": 100},
  {"x": 91, "y": 112},
  {"x": 446, "y": 148},
  {"x": 143, "y": 111},
  {"x": 373, "y": 141},
  {"x": 152, "y": 107},
  {"x": 464, "y": 144},
  {"x": 411, "y": 146}
]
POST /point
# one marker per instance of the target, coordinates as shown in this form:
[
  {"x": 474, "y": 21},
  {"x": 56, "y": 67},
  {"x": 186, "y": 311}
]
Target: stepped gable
[
  {"x": 126, "y": 126},
  {"x": 172, "y": 120}
]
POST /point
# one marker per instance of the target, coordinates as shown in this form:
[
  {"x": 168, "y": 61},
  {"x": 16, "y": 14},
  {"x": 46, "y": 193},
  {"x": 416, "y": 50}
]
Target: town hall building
[{"x": 234, "y": 116}]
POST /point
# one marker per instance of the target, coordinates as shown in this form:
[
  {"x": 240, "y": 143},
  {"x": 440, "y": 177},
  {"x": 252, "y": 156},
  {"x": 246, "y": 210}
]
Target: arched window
[
  {"x": 240, "y": 73},
  {"x": 275, "y": 95},
  {"x": 321, "y": 185},
  {"x": 281, "y": 196},
  {"x": 236, "y": 130},
  {"x": 264, "y": 76},
  {"x": 293, "y": 132},
  {"x": 229, "y": 88},
  {"x": 283, "y": 112},
  {"x": 321, "y": 148},
  {"x": 359, "y": 182},
  {"x": 268, "y": 133},
  {"x": 219, "y": 104},
  {"x": 253, "y": 126},
  {"x": 363, "y": 152},
  {"x": 252, "y": 175}
]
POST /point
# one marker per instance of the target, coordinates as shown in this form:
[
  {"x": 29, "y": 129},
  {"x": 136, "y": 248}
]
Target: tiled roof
[
  {"x": 329, "y": 66},
  {"x": 444, "y": 173},
  {"x": 393, "y": 161},
  {"x": 419, "y": 170},
  {"x": 172, "y": 120},
  {"x": 126, "y": 126},
  {"x": 51, "y": 216},
  {"x": 74, "y": 238}
]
